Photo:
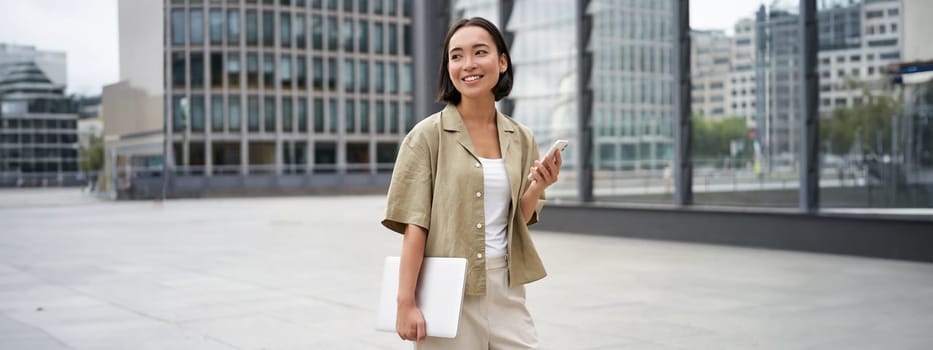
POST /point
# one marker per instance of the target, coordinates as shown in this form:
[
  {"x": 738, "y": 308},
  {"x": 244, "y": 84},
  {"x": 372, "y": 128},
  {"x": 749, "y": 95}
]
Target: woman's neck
[{"x": 477, "y": 111}]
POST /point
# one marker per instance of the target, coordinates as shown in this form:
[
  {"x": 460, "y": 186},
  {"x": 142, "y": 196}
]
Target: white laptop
[{"x": 439, "y": 295}]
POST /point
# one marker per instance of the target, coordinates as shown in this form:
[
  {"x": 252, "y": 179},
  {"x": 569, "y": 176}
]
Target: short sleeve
[
  {"x": 412, "y": 186},
  {"x": 535, "y": 153}
]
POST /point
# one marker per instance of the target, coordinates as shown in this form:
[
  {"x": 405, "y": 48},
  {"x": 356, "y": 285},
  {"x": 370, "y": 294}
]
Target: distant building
[
  {"x": 261, "y": 95},
  {"x": 38, "y": 123},
  {"x": 711, "y": 64}
]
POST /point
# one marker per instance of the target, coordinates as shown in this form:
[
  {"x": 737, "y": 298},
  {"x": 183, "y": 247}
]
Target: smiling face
[{"x": 474, "y": 63}]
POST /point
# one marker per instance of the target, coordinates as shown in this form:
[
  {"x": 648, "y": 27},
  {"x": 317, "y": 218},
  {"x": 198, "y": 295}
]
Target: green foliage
[
  {"x": 92, "y": 157},
  {"x": 848, "y": 125},
  {"x": 711, "y": 137}
]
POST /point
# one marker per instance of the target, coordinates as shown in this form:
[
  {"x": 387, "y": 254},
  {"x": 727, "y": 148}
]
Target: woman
[{"x": 460, "y": 189}]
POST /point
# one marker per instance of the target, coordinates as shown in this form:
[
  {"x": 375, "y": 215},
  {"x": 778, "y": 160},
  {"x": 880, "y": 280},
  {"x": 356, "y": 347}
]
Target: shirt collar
[{"x": 452, "y": 121}]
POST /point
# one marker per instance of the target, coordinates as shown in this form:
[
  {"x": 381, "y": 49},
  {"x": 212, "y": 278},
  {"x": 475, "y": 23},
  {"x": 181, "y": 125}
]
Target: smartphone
[{"x": 558, "y": 146}]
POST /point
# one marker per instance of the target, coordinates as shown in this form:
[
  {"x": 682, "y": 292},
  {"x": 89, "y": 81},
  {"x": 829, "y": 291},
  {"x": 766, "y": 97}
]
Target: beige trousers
[{"x": 498, "y": 320}]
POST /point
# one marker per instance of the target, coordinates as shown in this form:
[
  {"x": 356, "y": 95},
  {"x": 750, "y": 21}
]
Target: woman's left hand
[{"x": 545, "y": 171}]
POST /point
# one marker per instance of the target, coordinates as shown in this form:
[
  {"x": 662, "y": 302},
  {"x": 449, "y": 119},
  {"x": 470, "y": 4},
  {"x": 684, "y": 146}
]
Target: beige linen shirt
[{"x": 438, "y": 184}]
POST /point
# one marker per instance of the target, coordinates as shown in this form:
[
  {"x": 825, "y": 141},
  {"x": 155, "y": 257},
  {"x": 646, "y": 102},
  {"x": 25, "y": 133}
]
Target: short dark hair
[{"x": 446, "y": 91}]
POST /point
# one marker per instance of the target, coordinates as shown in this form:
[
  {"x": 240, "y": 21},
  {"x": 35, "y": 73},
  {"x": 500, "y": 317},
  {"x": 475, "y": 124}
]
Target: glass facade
[
  {"x": 298, "y": 72},
  {"x": 746, "y": 101}
]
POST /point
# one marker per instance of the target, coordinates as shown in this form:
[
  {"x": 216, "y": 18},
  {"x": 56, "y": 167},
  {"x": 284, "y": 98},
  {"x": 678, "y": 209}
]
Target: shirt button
[
  {"x": 479, "y": 194},
  {"x": 479, "y": 225},
  {"x": 479, "y": 255},
  {"x": 476, "y": 165}
]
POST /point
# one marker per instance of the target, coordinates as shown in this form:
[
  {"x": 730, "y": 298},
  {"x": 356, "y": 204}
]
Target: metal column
[
  {"x": 683, "y": 167},
  {"x": 809, "y": 118},
  {"x": 584, "y": 27}
]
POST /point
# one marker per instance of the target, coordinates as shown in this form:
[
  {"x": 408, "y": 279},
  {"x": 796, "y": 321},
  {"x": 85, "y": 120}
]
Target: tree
[
  {"x": 712, "y": 137},
  {"x": 92, "y": 156},
  {"x": 864, "y": 123}
]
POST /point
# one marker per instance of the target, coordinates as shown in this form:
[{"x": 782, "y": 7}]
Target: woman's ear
[{"x": 503, "y": 64}]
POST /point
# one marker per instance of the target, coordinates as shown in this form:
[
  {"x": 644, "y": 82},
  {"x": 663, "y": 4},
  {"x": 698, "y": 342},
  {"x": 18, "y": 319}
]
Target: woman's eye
[
  {"x": 481, "y": 52},
  {"x": 453, "y": 57}
]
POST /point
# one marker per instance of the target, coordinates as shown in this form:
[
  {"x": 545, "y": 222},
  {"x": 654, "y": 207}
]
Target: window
[
  {"x": 317, "y": 32},
  {"x": 893, "y": 12},
  {"x": 392, "y": 6},
  {"x": 332, "y": 115},
  {"x": 268, "y": 28},
  {"x": 855, "y": 58},
  {"x": 217, "y": 27},
  {"x": 332, "y": 33},
  {"x": 302, "y": 77},
  {"x": 854, "y": 72},
  {"x": 406, "y": 78},
  {"x": 287, "y": 114},
  {"x": 871, "y": 70},
  {"x": 285, "y": 72},
  {"x": 197, "y": 113},
  {"x": 377, "y": 38},
  {"x": 233, "y": 70},
  {"x": 364, "y": 77},
  {"x": 252, "y": 70},
  {"x": 392, "y": 80},
  {"x": 318, "y": 115},
  {"x": 881, "y": 29},
  {"x": 197, "y": 27},
  {"x": 362, "y": 31},
  {"x": 331, "y": 74},
  {"x": 269, "y": 114},
  {"x": 252, "y": 107},
  {"x": 301, "y": 38},
  {"x": 217, "y": 69},
  {"x": 377, "y": 6},
  {"x": 379, "y": 76},
  {"x": 349, "y": 121},
  {"x": 348, "y": 35},
  {"x": 874, "y": 14},
  {"x": 217, "y": 113},
  {"x": 178, "y": 27},
  {"x": 364, "y": 117},
  {"x": 348, "y": 77},
  {"x": 233, "y": 27},
  {"x": 302, "y": 115},
  {"x": 285, "y": 27},
  {"x": 234, "y": 111},
  {"x": 317, "y": 72},
  {"x": 268, "y": 71},
  {"x": 870, "y": 30},
  {"x": 252, "y": 28},
  {"x": 889, "y": 56},
  {"x": 893, "y": 27},
  {"x": 178, "y": 70},
  {"x": 380, "y": 117},
  {"x": 393, "y": 117},
  {"x": 197, "y": 70},
  {"x": 393, "y": 39},
  {"x": 884, "y": 42},
  {"x": 407, "y": 41}
]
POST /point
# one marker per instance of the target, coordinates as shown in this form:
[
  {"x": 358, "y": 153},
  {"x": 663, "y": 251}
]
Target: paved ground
[{"x": 302, "y": 273}]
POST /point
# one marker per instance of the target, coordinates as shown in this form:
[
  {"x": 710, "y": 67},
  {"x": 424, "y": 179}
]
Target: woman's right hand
[{"x": 409, "y": 322}]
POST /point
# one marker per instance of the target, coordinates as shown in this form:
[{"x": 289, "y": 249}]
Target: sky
[{"x": 86, "y": 30}]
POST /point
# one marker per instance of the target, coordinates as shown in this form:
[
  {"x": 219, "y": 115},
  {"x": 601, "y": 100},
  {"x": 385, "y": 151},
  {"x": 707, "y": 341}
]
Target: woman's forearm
[
  {"x": 410, "y": 264},
  {"x": 529, "y": 201}
]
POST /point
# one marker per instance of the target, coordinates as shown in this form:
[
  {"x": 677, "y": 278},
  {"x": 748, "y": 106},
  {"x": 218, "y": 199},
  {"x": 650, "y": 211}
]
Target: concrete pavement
[{"x": 303, "y": 273}]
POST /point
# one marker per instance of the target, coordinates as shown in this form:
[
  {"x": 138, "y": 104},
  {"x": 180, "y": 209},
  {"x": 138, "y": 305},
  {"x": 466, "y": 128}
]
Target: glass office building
[
  {"x": 38, "y": 122},
  {"x": 287, "y": 86}
]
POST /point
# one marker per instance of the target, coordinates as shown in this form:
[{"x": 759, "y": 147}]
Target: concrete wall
[{"x": 916, "y": 30}]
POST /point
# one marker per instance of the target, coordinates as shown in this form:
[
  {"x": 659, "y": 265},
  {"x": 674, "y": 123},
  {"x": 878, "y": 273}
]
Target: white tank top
[{"x": 497, "y": 197}]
